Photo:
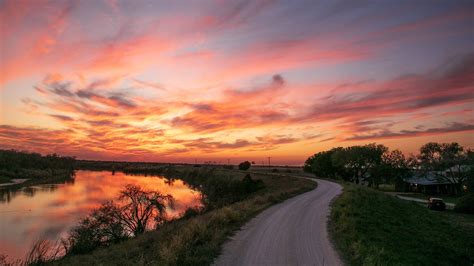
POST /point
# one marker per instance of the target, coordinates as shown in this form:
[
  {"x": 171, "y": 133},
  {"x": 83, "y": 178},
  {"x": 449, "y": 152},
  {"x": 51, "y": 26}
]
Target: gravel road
[{"x": 290, "y": 233}]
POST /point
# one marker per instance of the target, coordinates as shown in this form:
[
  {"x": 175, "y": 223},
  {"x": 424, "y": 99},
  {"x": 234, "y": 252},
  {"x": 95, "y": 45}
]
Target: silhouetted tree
[
  {"x": 138, "y": 207},
  {"x": 244, "y": 165},
  {"x": 359, "y": 161},
  {"x": 134, "y": 211},
  {"x": 322, "y": 164},
  {"x": 393, "y": 168}
]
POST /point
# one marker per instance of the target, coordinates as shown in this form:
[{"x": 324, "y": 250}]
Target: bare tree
[
  {"x": 137, "y": 208},
  {"x": 131, "y": 214}
]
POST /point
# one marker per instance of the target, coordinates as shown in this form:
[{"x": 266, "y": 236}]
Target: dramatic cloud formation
[{"x": 132, "y": 80}]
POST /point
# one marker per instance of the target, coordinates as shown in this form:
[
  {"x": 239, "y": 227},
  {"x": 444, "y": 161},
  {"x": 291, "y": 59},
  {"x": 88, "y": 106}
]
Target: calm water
[{"x": 49, "y": 211}]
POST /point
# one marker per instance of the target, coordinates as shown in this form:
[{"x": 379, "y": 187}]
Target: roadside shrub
[
  {"x": 249, "y": 185},
  {"x": 101, "y": 227},
  {"x": 244, "y": 165},
  {"x": 191, "y": 212},
  {"x": 465, "y": 204},
  {"x": 218, "y": 190}
]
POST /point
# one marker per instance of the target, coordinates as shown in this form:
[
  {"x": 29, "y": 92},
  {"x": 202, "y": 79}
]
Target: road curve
[{"x": 293, "y": 232}]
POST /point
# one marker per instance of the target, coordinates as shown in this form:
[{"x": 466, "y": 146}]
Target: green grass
[
  {"x": 371, "y": 228},
  {"x": 387, "y": 187},
  {"x": 448, "y": 199},
  {"x": 196, "y": 240}
]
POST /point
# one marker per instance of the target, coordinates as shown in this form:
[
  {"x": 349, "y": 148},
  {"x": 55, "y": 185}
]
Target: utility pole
[{"x": 269, "y": 161}]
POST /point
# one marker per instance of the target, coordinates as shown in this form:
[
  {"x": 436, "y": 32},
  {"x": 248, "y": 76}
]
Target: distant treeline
[
  {"x": 19, "y": 164},
  {"x": 112, "y": 165}
]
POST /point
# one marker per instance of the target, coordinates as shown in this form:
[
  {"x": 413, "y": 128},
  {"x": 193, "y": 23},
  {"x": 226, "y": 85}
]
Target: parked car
[{"x": 436, "y": 204}]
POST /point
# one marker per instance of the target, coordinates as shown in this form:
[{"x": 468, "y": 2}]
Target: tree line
[
  {"x": 374, "y": 164},
  {"x": 20, "y": 164}
]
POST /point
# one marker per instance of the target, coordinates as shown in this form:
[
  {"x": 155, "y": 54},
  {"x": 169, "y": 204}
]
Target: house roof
[{"x": 426, "y": 181}]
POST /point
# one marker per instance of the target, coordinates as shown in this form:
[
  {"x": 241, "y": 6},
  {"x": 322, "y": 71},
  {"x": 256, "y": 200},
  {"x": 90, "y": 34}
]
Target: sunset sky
[{"x": 181, "y": 81}]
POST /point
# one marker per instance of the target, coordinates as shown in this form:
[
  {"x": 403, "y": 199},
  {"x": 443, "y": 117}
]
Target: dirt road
[{"x": 290, "y": 233}]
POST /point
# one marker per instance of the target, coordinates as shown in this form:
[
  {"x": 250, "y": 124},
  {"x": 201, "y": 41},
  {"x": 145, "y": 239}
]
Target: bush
[
  {"x": 192, "y": 212},
  {"x": 249, "y": 185},
  {"x": 465, "y": 204},
  {"x": 244, "y": 165},
  {"x": 219, "y": 190}
]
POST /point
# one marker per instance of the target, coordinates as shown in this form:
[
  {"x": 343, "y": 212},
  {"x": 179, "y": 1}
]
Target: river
[{"x": 49, "y": 211}]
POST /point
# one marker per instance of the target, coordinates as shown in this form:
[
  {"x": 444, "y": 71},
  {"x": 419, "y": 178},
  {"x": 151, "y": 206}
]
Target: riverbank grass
[
  {"x": 371, "y": 228},
  {"x": 195, "y": 240}
]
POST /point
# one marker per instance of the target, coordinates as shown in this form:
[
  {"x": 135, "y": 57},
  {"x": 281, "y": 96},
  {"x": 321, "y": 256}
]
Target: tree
[
  {"x": 308, "y": 164},
  {"x": 134, "y": 211},
  {"x": 359, "y": 161},
  {"x": 244, "y": 165},
  {"x": 354, "y": 163},
  {"x": 137, "y": 207},
  {"x": 322, "y": 164},
  {"x": 393, "y": 168},
  {"x": 449, "y": 162}
]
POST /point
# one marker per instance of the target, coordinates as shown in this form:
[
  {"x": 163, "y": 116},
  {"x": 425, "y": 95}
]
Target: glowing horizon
[{"x": 185, "y": 81}]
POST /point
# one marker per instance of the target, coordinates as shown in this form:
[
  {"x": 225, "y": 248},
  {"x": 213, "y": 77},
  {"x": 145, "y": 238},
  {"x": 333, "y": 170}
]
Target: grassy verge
[
  {"x": 387, "y": 187},
  {"x": 371, "y": 228},
  {"x": 195, "y": 240}
]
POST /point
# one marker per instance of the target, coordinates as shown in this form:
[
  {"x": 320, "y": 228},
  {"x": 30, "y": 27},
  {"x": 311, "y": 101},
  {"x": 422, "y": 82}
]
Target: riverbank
[
  {"x": 16, "y": 181},
  {"x": 60, "y": 176},
  {"x": 371, "y": 228},
  {"x": 196, "y": 239},
  {"x": 34, "y": 168}
]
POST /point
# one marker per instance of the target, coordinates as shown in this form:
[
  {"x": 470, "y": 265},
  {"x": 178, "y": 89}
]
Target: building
[{"x": 428, "y": 184}]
